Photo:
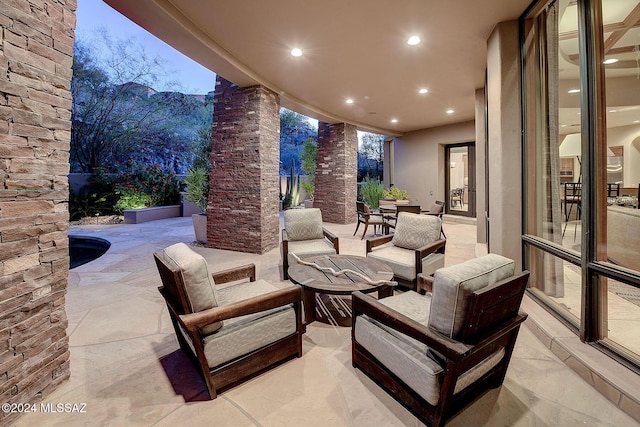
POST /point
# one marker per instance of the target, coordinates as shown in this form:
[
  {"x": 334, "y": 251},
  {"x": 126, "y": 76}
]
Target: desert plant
[
  {"x": 292, "y": 196},
  {"x": 394, "y": 193},
  {"x": 197, "y": 183},
  {"x": 308, "y": 156},
  {"x": 371, "y": 192}
]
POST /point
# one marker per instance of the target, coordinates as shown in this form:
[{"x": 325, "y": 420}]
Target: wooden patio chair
[
  {"x": 415, "y": 247},
  {"x": 366, "y": 217},
  {"x": 304, "y": 235},
  {"x": 437, "y": 353},
  {"x": 232, "y": 333}
]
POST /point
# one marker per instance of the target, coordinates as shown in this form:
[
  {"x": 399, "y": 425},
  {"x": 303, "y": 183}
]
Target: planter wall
[{"x": 138, "y": 216}]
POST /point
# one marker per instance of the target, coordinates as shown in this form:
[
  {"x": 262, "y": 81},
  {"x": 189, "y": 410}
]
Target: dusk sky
[{"x": 93, "y": 14}]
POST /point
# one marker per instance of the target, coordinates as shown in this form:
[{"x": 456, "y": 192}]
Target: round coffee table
[{"x": 322, "y": 290}]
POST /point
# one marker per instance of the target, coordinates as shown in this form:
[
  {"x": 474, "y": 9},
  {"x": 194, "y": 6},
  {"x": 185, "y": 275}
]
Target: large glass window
[{"x": 581, "y": 95}]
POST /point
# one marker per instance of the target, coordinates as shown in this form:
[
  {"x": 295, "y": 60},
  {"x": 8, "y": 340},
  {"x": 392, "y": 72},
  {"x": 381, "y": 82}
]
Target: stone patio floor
[{"x": 127, "y": 367}]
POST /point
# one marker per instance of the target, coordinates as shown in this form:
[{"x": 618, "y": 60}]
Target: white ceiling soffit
[{"x": 352, "y": 49}]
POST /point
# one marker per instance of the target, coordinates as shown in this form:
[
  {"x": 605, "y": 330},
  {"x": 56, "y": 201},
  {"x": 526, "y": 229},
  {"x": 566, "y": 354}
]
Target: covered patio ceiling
[{"x": 351, "y": 50}]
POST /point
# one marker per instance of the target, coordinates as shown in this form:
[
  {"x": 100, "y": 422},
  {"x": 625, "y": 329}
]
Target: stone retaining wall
[{"x": 36, "y": 51}]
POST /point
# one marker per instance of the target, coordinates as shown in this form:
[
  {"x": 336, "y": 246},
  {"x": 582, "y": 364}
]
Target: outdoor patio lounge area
[{"x": 127, "y": 367}]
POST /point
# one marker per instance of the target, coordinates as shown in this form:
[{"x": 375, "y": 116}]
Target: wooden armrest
[
  {"x": 425, "y": 284},
  {"x": 289, "y": 295},
  {"x": 365, "y": 304},
  {"x": 431, "y": 248},
  {"x": 333, "y": 238},
  {"x": 372, "y": 242},
  {"x": 236, "y": 273}
]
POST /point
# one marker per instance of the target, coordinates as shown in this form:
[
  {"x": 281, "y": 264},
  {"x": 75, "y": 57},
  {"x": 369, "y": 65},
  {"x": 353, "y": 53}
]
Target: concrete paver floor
[{"x": 127, "y": 367}]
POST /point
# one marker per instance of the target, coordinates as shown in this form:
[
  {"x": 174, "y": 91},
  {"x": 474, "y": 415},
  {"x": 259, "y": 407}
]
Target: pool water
[{"x": 83, "y": 249}]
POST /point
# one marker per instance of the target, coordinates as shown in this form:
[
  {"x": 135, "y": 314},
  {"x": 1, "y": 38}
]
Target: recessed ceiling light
[
  {"x": 450, "y": 111},
  {"x": 349, "y": 101},
  {"x": 610, "y": 61},
  {"x": 296, "y": 52},
  {"x": 413, "y": 40},
  {"x": 573, "y": 91},
  {"x": 394, "y": 120},
  {"x": 636, "y": 121},
  {"x": 423, "y": 91}
]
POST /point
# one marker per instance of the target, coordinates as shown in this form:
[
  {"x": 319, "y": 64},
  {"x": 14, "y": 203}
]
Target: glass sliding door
[
  {"x": 460, "y": 179},
  {"x": 581, "y": 100},
  {"x": 618, "y": 157}
]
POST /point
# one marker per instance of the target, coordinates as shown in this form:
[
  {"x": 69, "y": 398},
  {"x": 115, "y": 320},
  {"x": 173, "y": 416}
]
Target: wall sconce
[{"x": 453, "y": 165}]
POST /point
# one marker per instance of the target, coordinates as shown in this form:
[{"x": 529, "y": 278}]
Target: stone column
[
  {"x": 36, "y": 53},
  {"x": 337, "y": 172},
  {"x": 243, "y": 212}
]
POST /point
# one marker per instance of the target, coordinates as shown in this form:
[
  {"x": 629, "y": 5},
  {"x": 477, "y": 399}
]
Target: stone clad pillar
[
  {"x": 36, "y": 54},
  {"x": 243, "y": 212},
  {"x": 337, "y": 172}
]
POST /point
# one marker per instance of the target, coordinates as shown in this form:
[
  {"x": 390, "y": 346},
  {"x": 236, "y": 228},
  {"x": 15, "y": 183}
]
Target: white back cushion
[
  {"x": 414, "y": 231},
  {"x": 453, "y": 286},
  {"x": 200, "y": 288},
  {"x": 303, "y": 224}
]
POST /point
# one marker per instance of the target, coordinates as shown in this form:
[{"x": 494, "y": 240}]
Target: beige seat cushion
[
  {"x": 453, "y": 286},
  {"x": 303, "y": 224},
  {"x": 402, "y": 261},
  {"x": 409, "y": 359},
  {"x": 241, "y": 335},
  {"x": 308, "y": 249},
  {"x": 406, "y": 357},
  {"x": 414, "y": 231}
]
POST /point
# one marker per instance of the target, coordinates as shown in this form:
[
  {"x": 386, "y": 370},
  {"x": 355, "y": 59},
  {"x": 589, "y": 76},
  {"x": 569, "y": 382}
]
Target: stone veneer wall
[
  {"x": 337, "y": 172},
  {"x": 36, "y": 51},
  {"x": 243, "y": 211}
]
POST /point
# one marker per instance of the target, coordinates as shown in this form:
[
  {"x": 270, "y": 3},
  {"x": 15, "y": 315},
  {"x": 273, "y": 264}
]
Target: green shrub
[
  {"x": 161, "y": 187},
  {"x": 85, "y": 203},
  {"x": 197, "y": 182},
  {"x": 132, "y": 200},
  {"x": 308, "y": 157},
  {"x": 371, "y": 192},
  {"x": 394, "y": 193}
]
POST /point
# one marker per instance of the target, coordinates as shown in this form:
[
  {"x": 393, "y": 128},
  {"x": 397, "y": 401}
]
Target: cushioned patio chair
[
  {"x": 437, "y": 353},
  {"x": 304, "y": 235},
  {"x": 391, "y": 219},
  {"x": 233, "y": 332},
  {"x": 415, "y": 247},
  {"x": 438, "y": 210}
]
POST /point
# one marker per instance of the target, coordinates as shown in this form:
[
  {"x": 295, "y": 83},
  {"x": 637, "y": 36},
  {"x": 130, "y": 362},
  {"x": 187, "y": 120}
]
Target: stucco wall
[
  {"x": 505, "y": 142},
  {"x": 419, "y": 160}
]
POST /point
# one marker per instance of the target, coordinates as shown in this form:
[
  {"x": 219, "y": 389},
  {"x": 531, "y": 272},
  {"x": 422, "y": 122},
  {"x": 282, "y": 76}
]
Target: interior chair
[
  {"x": 437, "y": 353},
  {"x": 391, "y": 219},
  {"x": 304, "y": 235},
  {"x": 415, "y": 247},
  {"x": 437, "y": 209},
  {"x": 457, "y": 197},
  {"x": 572, "y": 196},
  {"x": 230, "y": 333},
  {"x": 366, "y": 217},
  {"x": 613, "y": 189}
]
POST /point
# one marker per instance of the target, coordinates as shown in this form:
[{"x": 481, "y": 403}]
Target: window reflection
[
  {"x": 622, "y": 81},
  {"x": 623, "y": 317}
]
